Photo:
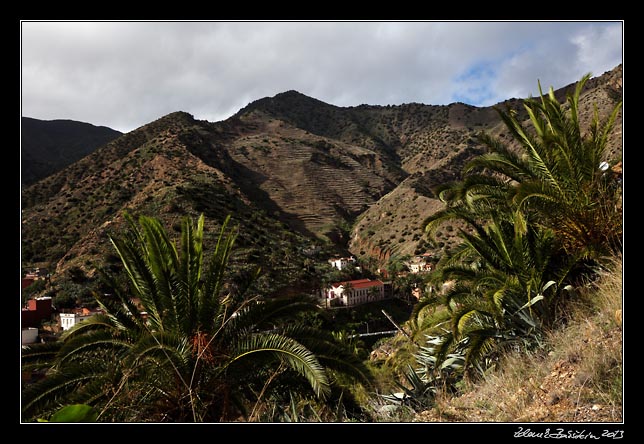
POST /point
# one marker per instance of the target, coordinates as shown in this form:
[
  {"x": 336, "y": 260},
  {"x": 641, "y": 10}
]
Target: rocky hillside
[
  {"x": 168, "y": 168},
  {"x": 47, "y": 146},
  {"x": 433, "y": 153},
  {"x": 317, "y": 184},
  {"x": 293, "y": 171}
]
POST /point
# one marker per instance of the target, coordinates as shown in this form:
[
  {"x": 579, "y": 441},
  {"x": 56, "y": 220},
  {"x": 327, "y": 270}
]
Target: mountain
[
  {"x": 294, "y": 172},
  {"x": 50, "y": 145}
]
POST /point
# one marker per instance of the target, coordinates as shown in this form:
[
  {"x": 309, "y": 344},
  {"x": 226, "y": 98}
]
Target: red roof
[{"x": 359, "y": 283}]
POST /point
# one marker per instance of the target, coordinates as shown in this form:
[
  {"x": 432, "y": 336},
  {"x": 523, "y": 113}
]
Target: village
[{"x": 41, "y": 319}]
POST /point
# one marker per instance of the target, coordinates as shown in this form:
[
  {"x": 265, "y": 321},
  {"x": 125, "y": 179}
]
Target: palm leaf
[
  {"x": 214, "y": 279},
  {"x": 286, "y": 350},
  {"x": 333, "y": 353},
  {"x": 59, "y": 386}
]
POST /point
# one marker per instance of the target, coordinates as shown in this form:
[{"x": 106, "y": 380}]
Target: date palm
[
  {"x": 551, "y": 174},
  {"x": 195, "y": 349},
  {"x": 507, "y": 278},
  {"x": 533, "y": 210}
]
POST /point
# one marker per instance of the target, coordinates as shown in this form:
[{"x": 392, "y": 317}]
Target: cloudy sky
[{"x": 126, "y": 74}]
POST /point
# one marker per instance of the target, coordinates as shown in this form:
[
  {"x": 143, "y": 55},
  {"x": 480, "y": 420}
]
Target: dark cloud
[{"x": 126, "y": 74}]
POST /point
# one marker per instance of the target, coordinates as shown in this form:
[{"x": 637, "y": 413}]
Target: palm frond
[
  {"x": 333, "y": 352},
  {"x": 166, "y": 349},
  {"x": 480, "y": 342},
  {"x": 190, "y": 271},
  {"x": 118, "y": 306},
  {"x": 91, "y": 341},
  {"x": 286, "y": 350},
  {"x": 40, "y": 353},
  {"x": 210, "y": 294},
  {"x": 140, "y": 276},
  {"x": 58, "y": 386}
]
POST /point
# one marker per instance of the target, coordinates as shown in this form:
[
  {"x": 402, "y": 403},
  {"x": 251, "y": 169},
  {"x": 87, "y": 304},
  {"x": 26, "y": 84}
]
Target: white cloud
[{"x": 127, "y": 74}]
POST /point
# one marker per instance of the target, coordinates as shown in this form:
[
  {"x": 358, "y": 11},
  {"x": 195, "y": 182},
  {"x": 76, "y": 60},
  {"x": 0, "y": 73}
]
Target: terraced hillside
[
  {"x": 318, "y": 184},
  {"x": 154, "y": 170},
  {"x": 292, "y": 170}
]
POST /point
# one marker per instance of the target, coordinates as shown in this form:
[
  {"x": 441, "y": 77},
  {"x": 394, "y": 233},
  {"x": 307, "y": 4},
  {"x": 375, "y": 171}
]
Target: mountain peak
[
  {"x": 292, "y": 96},
  {"x": 291, "y": 93},
  {"x": 284, "y": 103}
]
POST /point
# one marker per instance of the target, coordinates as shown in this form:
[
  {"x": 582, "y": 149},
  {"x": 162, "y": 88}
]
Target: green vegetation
[
  {"x": 531, "y": 225},
  {"x": 577, "y": 370},
  {"x": 182, "y": 343},
  {"x": 539, "y": 218},
  {"x": 73, "y": 413},
  {"x": 506, "y": 287},
  {"x": 33, "y": 289},
  {"x": 553, "y": 180}
]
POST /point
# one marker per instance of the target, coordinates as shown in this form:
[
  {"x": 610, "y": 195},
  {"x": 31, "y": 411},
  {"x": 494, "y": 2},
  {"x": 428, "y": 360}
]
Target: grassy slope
[{"x": 575, "y": 377}]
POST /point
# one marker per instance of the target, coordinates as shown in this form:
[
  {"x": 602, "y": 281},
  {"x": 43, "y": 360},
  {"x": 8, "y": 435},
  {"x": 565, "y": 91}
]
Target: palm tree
[
  {"x": 533, "y": 212},
  {"x": 507, "y": 283},
  {"x": 197, "y": 349},
  {"x": 551, "y": 175}
]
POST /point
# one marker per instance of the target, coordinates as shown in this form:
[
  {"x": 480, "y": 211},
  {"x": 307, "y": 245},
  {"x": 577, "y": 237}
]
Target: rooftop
[{"x": 359, "y": 283}]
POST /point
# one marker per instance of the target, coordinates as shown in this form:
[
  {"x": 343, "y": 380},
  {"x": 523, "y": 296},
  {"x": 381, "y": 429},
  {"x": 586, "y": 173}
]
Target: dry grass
[{"x": 575, "y": 377}]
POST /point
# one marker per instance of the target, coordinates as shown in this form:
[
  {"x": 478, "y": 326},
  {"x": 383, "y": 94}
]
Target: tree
[
  {"x": 197, "y": 350},
  {"x": 551, "y": 176},
  {"x": 536, "y": 212},
  {"x": 395, "y": 266},
  {"x": 508, "y": 282}
]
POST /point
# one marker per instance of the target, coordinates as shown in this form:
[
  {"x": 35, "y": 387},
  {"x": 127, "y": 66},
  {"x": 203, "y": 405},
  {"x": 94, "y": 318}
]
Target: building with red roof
[{"x": 36, "y": 311}]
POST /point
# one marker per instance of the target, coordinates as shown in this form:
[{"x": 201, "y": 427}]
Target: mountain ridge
[
  {"x": 49, "y": 145},
  {"x": 357, "y": 180}
]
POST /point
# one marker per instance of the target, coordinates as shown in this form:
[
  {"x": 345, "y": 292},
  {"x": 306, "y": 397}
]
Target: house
[
  {"x": 343, "y": 262},
  {"x": 69, "y": 318},
  {"x": 36, "y": 311},
  {"x": 31, "y": 277},
  {"x": 419, "y": 264},
  {"x": 27, "y": 281},
  {"x": 356, "y": 292}
]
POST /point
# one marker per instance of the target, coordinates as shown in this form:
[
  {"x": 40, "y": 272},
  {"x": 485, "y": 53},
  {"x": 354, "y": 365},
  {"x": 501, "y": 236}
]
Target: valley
[{"x": 292, "y": 171}]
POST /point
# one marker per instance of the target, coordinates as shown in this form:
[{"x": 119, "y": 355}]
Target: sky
[{"x": 126, "y": 74}]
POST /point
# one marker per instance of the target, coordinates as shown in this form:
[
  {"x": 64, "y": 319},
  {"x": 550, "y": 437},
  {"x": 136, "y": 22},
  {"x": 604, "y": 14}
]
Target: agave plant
[
  {"x": 507, "y": 282},
  {"x": 535, "y": 213},
  {"x": 433, "y": 374}
]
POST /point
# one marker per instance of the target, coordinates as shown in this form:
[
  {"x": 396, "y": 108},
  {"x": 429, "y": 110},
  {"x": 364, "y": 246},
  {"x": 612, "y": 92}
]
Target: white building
[
  {"x": 355, "y": 292},
  {"x": 419, "y": 265},
  {"x": 343, "y": 262},
  {"x": 68, "y": 320}
]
